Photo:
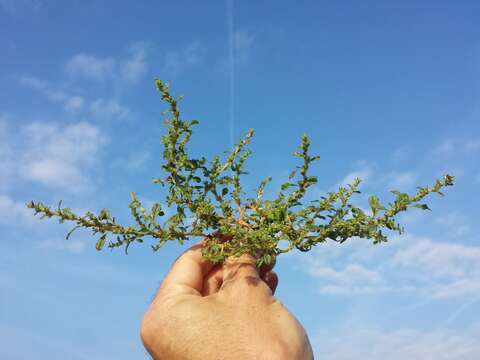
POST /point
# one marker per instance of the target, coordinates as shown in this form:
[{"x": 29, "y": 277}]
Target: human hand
[{"x": 221, "y": 312}]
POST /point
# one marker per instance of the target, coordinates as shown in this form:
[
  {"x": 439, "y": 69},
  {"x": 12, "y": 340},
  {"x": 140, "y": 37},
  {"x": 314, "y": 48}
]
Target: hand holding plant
[
  {"x": 222, "y": 311},
  {"x": 209, "y": 200}
]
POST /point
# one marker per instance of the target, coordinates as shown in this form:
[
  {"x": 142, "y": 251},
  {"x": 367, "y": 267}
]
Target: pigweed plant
[{"x": 209, "y": 203}]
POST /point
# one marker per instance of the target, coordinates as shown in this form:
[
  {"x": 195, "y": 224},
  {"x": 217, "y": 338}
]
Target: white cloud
[
  {"x": 57, "y": 155},
  {"x": 401, "y": 153},
  {"x": 90, "y": 67},
  {"x": 450, "y": 147},
  {"x": 12, "y": 211},
  {"x": 352, "y": 279},
  {"x": 447, "y": 147},
  {"x": 74, "y": 104},
  {"x": 72, "y": 246},
  {"x": 45, "y": 88},
  {"x": 400, "y": 180},
  {"x": 439, "y": 259},
  {"x": 456, "y": 223},
  {"x": 400, "y": 344},
  {"x": 178, "y": 61},
  {"x": 108, "y": 109},
  {"x": 453, "y": 269},
  {"x": 243, "y": 41},
  {"x": 137, "y": 160},
  {"x": 71, "y": 103},
  {"x": 125, "y": 70},
  {"x": 364, "y": 172},
  {"x": 407, "y": 264},
  {"x": 471, "y": 145},
  {"x": 134, "y": 66},
  {"x": 101, "y": 108},
  {"x": 6, "y": 153}
]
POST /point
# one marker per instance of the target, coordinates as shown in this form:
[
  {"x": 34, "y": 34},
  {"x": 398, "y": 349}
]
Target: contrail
[
  {"x": 455, "y": 314},
  {"x": 231, "y": 66}
]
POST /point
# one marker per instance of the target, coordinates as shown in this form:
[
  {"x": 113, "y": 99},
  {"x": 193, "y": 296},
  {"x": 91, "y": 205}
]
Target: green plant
[{"x": 208, "y": 200}]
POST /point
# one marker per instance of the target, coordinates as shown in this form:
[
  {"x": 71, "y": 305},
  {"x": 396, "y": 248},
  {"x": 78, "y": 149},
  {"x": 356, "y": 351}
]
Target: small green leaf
[
  {"x": 104, "y": 214},
  {"x": 422, "y": 206},
  {"x": 101, "y": 242}
]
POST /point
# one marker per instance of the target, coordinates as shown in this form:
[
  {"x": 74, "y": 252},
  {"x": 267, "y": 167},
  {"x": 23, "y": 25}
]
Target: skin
[{"x": 219, "y": 312}]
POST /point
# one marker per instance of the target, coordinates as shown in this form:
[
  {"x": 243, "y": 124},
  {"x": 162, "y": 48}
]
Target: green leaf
[
  {"x": 101, "y": 242},
  {"x": 224, "y": 191},
  {"x": 104, "y": 214},
  {"x": 373, "y": 202},
  {"x": 422, "y": 206},
  {"x": 71, "y": 231}
]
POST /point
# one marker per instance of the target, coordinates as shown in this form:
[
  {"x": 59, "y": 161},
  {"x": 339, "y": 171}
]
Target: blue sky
[{"x": 387, "y": 91}]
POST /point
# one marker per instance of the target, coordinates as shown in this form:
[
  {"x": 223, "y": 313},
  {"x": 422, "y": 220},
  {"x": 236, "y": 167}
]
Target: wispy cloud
[
  {"x": 12, "y": 211},
  {"x": 82, "y": 69},
  {"x": 90, "y": 67},
  {"x": 243, "y": 41},
  {"x": 178, "y": 61},
  {"x": 74, "y": 104},
  {"x": 137, "y": 160},
  {"x": 53, "y": 93},
  {"x": 364, "y": 171},
  {"x": 398, "y": 344},
  {"x": 352, "y": 279},
  {"x": 108, "y": 109},
  {"x": 451, "y": 147},
  {"x": 100, "y": 107},
  {"x": 55, "y": 154},
  {"x": 71, "y": 246},
  {"x": 6, "y": 153},
  {"x": 129, "y": 68},
  {"x": 408, "y": 264},
  {"x": 241, "y": 45},
  {"x": 455, "y": 223},
  {"x": 52, "y": 154},
  {"x": 134, "y": 66},
  {"x": 401, "y": 153},
  {"x": 400, "y": 180}
]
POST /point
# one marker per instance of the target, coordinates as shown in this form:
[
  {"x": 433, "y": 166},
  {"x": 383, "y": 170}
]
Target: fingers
[
  {"x": 242, "y": 284},
  {"x": 266, "y": 268},
  {"x": 186, "y": 274},
  {"x": 242, "y": 267},
  {"x": 213, "y": 281},
  {"x": 192, "y": 275},
  {"x": 271, "y": 279}
]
